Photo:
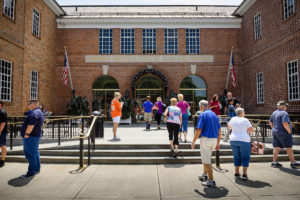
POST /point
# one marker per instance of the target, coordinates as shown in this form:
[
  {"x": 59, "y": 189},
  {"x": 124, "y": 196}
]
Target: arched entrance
[
  {"x": 194, "y": 89},
  {"x": 149, "y": 82},
  {"x": 103, "y": 92}
]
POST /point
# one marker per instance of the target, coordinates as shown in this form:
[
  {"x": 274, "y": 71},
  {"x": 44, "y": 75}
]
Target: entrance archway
[
  {"x": 194, "y": 89},
  {"x": 103, "y": 92}
]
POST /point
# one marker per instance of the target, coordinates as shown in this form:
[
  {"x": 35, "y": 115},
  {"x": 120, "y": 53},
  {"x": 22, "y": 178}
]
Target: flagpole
[
  {"x": 69, "y": 71},
  {"x": 228, "y": 73}
]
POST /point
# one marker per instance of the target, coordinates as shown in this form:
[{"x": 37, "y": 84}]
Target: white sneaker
[
  {"x": 116, "y": 138},
  {"x": 209, "y": 183}
]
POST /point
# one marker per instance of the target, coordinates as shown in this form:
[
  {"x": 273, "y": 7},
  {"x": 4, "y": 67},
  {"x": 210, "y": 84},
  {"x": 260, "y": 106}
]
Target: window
[
  {"x": 260, "y": 87},
  {"x": 5, "y": 80},
  {"x": 36, "y": 23},
  {"x": 288, "y": 8},
  {"x": 149, "y": 41},
  {"x": 257, "y": 27},
  {"x": 9, "y": 8},
  {"x": 192, "y": 41},
  {"x": 171, "y": 41},
  {"x": 105, "y": 41},
  {"x": 293, "y": 80},
  {"x": 34, "y": 85},
  {"x": 127, "y": 41}
]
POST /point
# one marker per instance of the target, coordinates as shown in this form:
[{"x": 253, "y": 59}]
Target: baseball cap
[{"x": 282, "y": 103}]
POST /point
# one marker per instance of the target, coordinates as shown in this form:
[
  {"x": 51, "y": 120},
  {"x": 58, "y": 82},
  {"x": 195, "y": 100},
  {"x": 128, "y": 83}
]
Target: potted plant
[
  {"x": 128, "y": 108},
  {"x": 78, "y": 106}
]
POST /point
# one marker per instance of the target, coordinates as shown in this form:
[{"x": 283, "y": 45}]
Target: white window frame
[
  {"x": 257, "y": 26},
  {"x": 287, "y": 11},
  {"x": 110, "y": 41},
  {"x": 260, "y": 88},
  {"x": 129, "y": 39},
  {"x": 7, "y": 4},
  {"x": 34, "y": 90},
  {"x": 166, "y": 41},
  {"x": 8, "y": 76},
  {"x": 190, "y": 38},
  {"x": 294, "y": 83},
  {"x": 151, "y": 39},
  {"x": 36, "y": 28}
]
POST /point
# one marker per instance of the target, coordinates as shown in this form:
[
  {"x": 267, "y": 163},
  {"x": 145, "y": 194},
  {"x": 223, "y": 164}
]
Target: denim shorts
[
  {"x": 3, "y": 139},
  {"x": 282, "y": 140}
]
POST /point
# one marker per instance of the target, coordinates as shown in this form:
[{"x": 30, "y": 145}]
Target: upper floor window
[
  {"x": 288, "y": 8},
  {"x": 34, "y": 85},
  {"x": 257, "y": 26},
  {"x": 36, "y": 22},
  {"x": 105, "y": 41},
  {"x": 293, "y": 80},
  {"x": 149, "y": 41},
  {"x": 171, "y": 41},
  {"x": 127, "y": 41},
  {"x": 192, "y": 41},
  {"x": 9, "y": 8},
  {"x": 260, "y": 87},
  {"x": 5, "y": 80}
]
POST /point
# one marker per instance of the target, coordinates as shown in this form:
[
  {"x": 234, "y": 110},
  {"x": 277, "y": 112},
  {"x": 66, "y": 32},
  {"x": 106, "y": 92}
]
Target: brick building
[{"x": 151, "y": 50}]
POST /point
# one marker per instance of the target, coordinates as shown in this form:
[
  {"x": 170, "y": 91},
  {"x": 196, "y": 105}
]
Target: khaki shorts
[
  {"x": 207, "y": 146},
  {"x": 148, "y": 116}
]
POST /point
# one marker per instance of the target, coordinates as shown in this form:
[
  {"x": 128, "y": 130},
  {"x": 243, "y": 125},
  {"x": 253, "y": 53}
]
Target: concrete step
[
  {"x": 144, "y": 160},
  {"x": 132, "y": 152}
]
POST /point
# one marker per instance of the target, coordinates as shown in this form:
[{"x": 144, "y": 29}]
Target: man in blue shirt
[
  {"x": 209, "y": 130},
  {"x": 147, "y": 107},
  {"x": 31, "y": 131},
  {"x": 282, "y": 134}
]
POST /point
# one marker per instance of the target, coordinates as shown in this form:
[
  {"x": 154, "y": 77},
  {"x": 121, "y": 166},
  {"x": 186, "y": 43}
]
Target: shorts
[
  {"x": 148, "y": 116},
  {"x": 283, "y": 141},
  {"x": 3, "y": 139},
  {"x": 207, "y": 146},
  {"x": 116, "y": 119}
]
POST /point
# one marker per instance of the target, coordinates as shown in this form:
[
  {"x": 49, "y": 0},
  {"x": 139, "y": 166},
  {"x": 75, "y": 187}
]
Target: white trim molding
[
  {"x": 149, "y": 58},
  {"x": 102, "y": 22},
  {"x": 53, "y": 5},
  {"x": 242, "y": 9}
]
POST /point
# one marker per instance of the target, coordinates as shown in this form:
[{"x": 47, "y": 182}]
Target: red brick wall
[
  {"x": 278, "y": 45},
  {"x": 81, "y": 42},
  {"x": 11, "y": 49}
]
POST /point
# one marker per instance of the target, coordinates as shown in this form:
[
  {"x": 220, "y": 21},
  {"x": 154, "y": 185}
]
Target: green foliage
[
  {"x": 78, "y": 106},
  {"x": 128, "y": 107}
]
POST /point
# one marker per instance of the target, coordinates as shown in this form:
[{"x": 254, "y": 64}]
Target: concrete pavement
[{"x": 147, "y": 182}]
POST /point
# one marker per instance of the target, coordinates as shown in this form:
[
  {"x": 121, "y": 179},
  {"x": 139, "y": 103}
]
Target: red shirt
[{"x": 216, "y": 107}]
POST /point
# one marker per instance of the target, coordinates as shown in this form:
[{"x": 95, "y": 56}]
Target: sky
[{"x": 149, "y": 2}]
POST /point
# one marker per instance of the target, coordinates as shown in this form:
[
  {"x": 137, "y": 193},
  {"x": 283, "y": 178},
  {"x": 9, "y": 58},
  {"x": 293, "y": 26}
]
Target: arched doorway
[
  {"x": 194, "y": 89},
  {"x": 103, "y": 92}
]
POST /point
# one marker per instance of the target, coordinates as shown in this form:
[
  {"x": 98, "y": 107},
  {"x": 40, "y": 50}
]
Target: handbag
[
  {"x": 256, "y": 146},
  {"x": 166, "y": 117},
  {"x": 188, "y": 112}
]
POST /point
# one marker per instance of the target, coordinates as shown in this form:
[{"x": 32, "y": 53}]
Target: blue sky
[{"x": 149, "y": 2}]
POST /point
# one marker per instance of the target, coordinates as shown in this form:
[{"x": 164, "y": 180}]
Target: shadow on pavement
[
  {"x": 219, "y": 169},
  {"x": 78, "y": 171},
  {"x": 213, "y": 193},
  {"x": 295, "y": 172},
  {"x": 19, "y": 182},
  {"x": 173, "y": 165},
  {"x": 253, "y": 184}
]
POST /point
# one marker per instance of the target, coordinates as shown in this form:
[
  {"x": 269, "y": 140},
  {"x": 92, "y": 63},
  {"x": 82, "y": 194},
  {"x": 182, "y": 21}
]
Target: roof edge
[
  {"x": 242, "y": 9},
  {"x": 55, "y": 7}
]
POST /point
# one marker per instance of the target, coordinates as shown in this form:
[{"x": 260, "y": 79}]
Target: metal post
[
  {"x": 58, "y": 132},
  {"x": 218, "y": 158},
  {"x": 52, "y": 129},
  {"x": 89, "y": 150},
  {"x": 11, "y": 130},
  {"x": 82, "y": 125},
  {"x": 81, "y": 153}
]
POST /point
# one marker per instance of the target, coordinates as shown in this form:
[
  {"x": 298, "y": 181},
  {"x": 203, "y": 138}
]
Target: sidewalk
[{"x": 147, "y": 182}]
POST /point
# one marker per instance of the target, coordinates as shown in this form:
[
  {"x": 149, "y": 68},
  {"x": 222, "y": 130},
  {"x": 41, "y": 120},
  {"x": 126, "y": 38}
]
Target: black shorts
[
  {"x": 283, "y": 141},
  {"x": 3, "y": 139}
]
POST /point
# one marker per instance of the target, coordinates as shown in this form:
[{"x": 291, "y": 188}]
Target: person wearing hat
[{"x": 282, "y": 134}]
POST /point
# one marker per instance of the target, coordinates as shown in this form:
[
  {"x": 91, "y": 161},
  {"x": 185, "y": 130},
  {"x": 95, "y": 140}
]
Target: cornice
[
  {"x": 150, "y": 23},
  {"x": 242, "y": 9},
  {"x": 53, "y": 5}
]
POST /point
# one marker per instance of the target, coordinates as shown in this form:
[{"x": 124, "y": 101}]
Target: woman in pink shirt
[
  {"x": 215, "y": 105},
  {"x": 184, "y": 106}
]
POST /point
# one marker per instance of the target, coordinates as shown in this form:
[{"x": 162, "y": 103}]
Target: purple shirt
[
  {"x": 183, "y": 105},
  {"x": 159, "y": 105}
]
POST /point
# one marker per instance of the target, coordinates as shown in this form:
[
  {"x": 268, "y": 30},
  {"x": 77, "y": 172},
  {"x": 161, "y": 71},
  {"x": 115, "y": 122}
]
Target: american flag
[
  {"x": 232, "y": 71},
  {"x": 65, "y": 70}
]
